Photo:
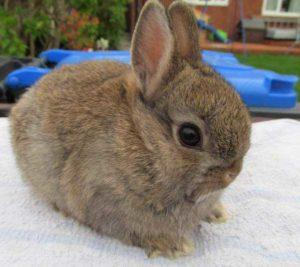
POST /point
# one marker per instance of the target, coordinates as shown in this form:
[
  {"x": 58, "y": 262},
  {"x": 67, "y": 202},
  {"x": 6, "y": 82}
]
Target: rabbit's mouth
[
  {"x": 214, "y": 180},
  {"x": 204, "y": 198},
  {"x": 202, "y": 191}
]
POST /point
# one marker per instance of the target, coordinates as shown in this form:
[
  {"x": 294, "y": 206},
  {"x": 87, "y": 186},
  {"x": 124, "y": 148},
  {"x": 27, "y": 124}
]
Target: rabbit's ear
[
  {"x": 184, "y": 25},
  {"x": 152, "y": 48}
]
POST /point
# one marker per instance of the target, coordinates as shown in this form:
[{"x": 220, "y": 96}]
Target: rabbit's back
[{"x": 53, "y": 119}]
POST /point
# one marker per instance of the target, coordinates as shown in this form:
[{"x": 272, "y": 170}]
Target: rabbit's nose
[{"x": 231, "y": 173}]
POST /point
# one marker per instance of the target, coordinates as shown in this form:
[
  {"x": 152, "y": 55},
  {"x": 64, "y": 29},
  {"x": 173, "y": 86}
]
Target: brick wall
[
  {"x": 227, "y": 18},
  {"x": 224, "y": 18}
]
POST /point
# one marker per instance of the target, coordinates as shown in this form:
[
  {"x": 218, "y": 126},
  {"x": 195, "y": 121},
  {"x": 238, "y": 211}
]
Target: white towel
[{"x": 263, "y": 203}]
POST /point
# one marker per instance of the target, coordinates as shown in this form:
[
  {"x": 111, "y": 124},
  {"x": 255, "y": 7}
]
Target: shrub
[
  {"x": 79, "y": 31},
  {"x": 33, "y": 26},
  {"x": 10, "y": 42},
  {"x": 37, "y": 28},
  {"x": 110, "y": 13}
]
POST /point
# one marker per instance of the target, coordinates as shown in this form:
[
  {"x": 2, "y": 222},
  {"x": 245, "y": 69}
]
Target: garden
[{"x": 29, "y": 27}]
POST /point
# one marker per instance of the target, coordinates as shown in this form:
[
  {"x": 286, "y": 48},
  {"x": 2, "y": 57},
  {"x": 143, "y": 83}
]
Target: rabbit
[{"x": 142, "y": 152}]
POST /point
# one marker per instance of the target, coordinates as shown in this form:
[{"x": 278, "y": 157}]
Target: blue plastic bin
[{"x": 257, "y": 88}]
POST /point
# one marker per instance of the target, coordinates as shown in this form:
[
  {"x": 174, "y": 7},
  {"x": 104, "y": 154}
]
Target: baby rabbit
[{"x": 140, "y": 153}]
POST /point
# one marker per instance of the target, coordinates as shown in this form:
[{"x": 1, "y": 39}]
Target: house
[{"x": 278, "y": 19}]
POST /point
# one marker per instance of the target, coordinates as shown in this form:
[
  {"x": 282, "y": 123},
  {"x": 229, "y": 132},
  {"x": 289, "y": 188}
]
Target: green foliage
[
  {"x": 32, "y": 26},
  {"x": 38, "y": 26},
  {"x": 10, "y": 42},
  {"x": 87, "y": 6},
  {"x": 18, "y": 25},
  {"x": 111, "y": 15},
  {"x": 113, "y": 20}
]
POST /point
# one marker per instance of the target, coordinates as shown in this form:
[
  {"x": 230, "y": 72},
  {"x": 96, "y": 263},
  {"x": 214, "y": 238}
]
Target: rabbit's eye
[{"x": 190, "y": 135}]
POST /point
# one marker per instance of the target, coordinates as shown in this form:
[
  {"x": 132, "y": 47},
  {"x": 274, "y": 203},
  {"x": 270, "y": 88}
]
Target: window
[
  {"x": 288, "y": 8},
  {"x": 208, "y": 2}
]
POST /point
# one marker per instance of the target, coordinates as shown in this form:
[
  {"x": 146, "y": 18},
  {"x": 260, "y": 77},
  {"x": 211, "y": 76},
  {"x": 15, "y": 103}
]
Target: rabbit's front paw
[
  {"x": 217, "y": 214},
  {"x": 168, "y": 247}
]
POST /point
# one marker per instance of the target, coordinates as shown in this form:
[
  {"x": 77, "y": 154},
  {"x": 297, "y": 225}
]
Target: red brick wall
[{"x": 224, "y": 18}]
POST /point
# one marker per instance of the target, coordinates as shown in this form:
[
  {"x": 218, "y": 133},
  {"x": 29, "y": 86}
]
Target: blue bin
[
  {"x": 257, "y": 88},
  {"x": 25, "y": 77},
  {"x": 76, "y": 58},
  {"x": 55, "y": 56}
]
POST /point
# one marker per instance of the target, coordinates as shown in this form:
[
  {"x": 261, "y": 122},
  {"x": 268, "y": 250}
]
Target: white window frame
[
  {"x": 209, "y": 2},
  {"x": 277, "y": 12}
]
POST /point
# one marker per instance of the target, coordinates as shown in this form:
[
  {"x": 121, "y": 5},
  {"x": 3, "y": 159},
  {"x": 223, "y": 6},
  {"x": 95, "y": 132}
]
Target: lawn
[{"x": 285, "y": 64}]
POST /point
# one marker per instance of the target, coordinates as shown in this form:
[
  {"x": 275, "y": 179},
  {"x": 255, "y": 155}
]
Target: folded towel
[{"x": 263, "y": 204}]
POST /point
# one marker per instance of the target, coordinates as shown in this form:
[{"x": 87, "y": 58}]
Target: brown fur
[{"x": 99, "y": 140}]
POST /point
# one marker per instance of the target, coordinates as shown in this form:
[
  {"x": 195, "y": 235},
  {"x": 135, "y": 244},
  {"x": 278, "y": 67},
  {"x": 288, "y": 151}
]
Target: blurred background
[{"x": 262, "y": 34}]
